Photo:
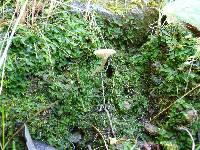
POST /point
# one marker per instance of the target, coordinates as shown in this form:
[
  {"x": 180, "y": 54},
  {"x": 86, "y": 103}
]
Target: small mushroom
[{"x": 103, "y": 54}]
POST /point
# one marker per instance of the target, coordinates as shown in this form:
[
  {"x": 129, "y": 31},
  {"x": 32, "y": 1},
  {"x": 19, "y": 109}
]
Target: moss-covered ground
[{"x": 48, "y": 82}]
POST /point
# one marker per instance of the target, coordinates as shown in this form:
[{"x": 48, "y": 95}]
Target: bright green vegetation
[
  {"x": 164, "y": 68},
  {"x": 48, "y": 81}
]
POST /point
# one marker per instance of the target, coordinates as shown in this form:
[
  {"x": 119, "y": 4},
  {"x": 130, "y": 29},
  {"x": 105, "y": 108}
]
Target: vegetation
[{"x": 153, "y": 79}]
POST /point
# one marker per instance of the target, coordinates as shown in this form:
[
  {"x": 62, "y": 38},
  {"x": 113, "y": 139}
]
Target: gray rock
[
  {"x": 151, "y": 129},
  {"x": 83, "y": 7},
  {"x": 75, "y": 137},
  {"x": 31, "y": 144},
  {"x": 42, "y": 146}
]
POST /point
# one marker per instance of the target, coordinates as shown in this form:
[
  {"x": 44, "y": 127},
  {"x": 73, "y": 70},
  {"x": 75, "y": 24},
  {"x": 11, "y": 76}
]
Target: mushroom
[{"x": 103, "y": 54}]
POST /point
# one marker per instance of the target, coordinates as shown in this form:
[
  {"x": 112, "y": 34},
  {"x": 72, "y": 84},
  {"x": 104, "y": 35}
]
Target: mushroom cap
[{"x": 104, "y": 53}]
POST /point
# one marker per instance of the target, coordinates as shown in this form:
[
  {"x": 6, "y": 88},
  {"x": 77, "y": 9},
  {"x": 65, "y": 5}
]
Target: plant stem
[
  {"x": 3, "y": 128},
  {"x": 100, "y": 67},
  {"x": 103, "y": 90}
]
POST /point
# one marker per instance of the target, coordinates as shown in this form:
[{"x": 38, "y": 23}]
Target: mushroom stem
[{"x": 98, "y": 69}]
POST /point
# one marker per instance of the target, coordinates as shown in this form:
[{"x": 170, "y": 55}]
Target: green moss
[{"x": 51, "y": 65}]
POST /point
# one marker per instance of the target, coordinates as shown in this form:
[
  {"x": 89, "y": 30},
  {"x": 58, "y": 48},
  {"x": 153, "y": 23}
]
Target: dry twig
[
  {"x": 97, "y": 130},
  {"x": 164, "y": 110}
]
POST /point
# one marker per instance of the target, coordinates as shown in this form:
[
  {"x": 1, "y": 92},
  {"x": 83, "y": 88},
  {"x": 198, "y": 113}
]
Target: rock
[
  {"x": 83, "y": 7},
  {"x": 127, "y": 105},
  {"x": 75, "y": 137},
  {"x": 191, "y": 116},
  {"x": 27, "y": 140},
  {"x": 42, "y": 146},
  {"x": 80, "y": 7}
]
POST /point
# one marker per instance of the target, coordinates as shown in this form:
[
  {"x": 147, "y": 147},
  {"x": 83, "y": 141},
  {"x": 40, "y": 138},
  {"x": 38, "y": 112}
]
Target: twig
[
  {"x": 4, "y": 55},
  {"x": 97, "y": 130},
  {"x": 2, "y": 76},
  {"x": 110, "y": 122},
  {"x": 104, "y": 105},
  {"x": 174, "y": 103},
  {"x": 193, "y": 143},
  {"x": 9, "y": 41},
  {"x": 7, "y": 33}
]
